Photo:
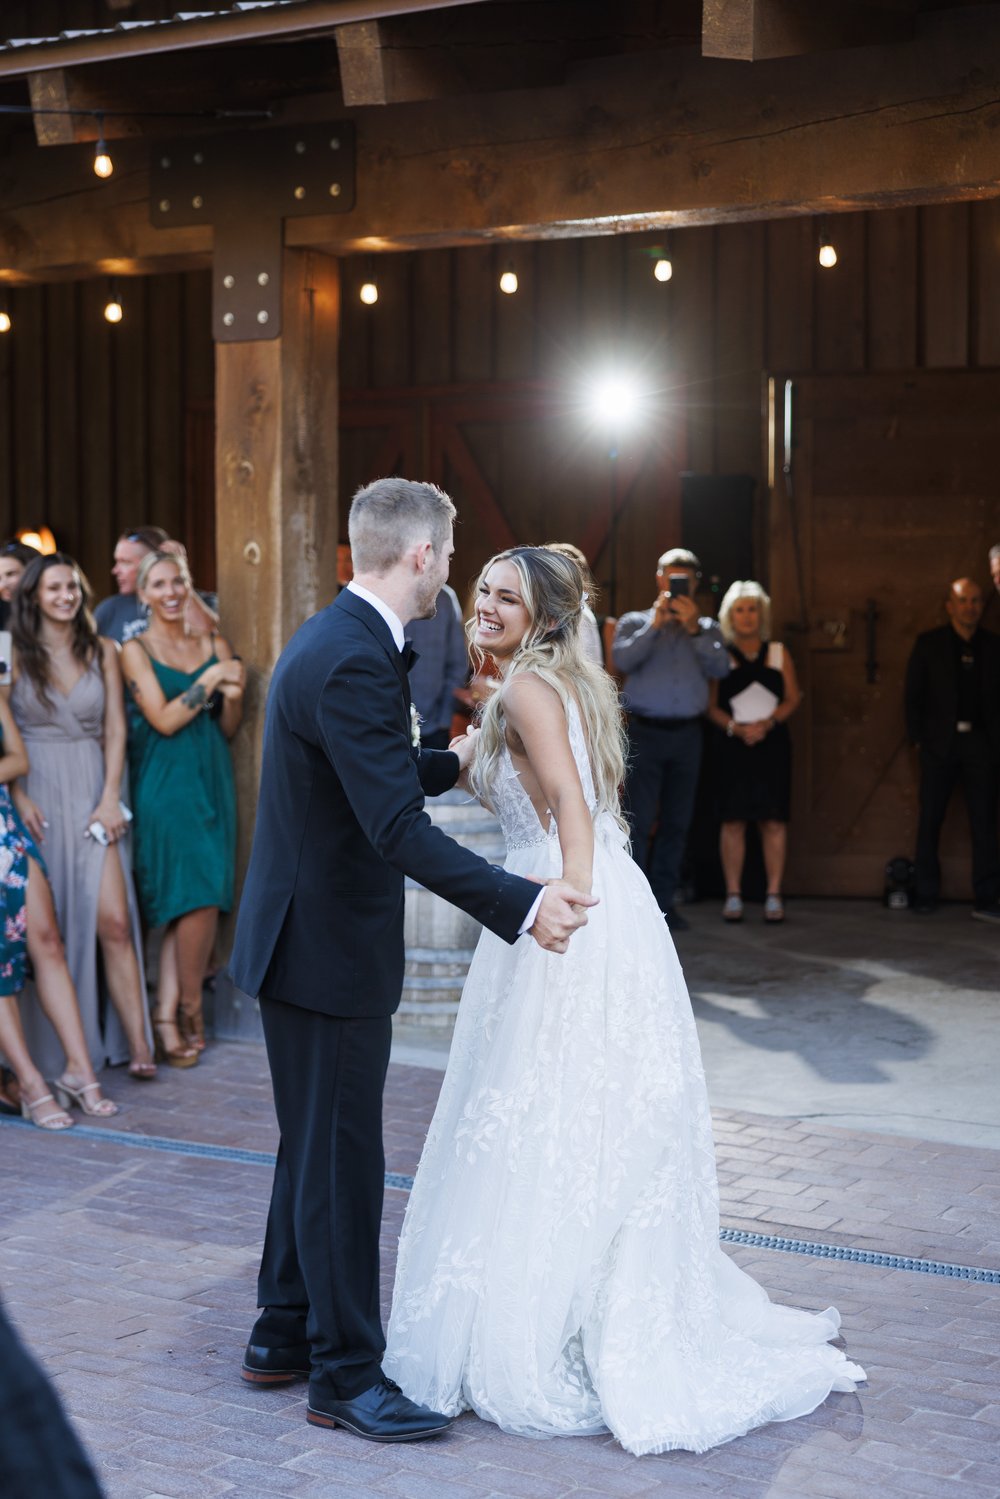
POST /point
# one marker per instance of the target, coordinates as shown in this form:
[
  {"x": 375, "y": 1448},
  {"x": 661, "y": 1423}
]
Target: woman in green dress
[{"x": 188, "y": 688}]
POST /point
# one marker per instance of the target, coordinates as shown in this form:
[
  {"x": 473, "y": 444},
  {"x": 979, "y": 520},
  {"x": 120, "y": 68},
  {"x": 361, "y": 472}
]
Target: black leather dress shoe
[
  {"x": 275, "y": 1365},
  {"x": 381, "y": 1414}
]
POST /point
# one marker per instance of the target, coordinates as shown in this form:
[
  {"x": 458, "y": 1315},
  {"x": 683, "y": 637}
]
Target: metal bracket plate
[{"x": 245, "y": 184}]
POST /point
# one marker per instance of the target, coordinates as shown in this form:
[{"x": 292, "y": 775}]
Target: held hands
[
  {"x": 753, "y": 733},
  {"x": 230, "y": 678},
  {"x": 562, "y": 910}
]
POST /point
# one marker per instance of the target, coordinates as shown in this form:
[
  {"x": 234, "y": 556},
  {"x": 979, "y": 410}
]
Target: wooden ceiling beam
[
  {"x": 752, "y": 30},
  {"x": 362, "y": 63},
  {"x": 637, "y": 143},
  {"x": 49, "y": 94}
]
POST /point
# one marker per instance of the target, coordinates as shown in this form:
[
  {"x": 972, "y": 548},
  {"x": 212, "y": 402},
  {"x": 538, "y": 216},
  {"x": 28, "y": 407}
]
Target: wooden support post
[{"x": 276, "y": 492}]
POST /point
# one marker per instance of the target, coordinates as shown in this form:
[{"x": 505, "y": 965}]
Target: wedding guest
[
  {"x": 440, "y": 668},
  {"x": 952, "y": 703},
  {"x": 67, "y": 699},
  {"x": 668, "y": 656},
  {"x": 29, "y": 930},
  {"x": 122, "y": 616},
  {"x": 188, "y": 689},
  {"x": 751, "y": 708},
  {"x": 14, "y": 558},
  {"x": 590, "y": 630}
]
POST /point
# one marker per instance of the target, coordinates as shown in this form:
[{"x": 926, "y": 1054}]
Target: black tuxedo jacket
[
  {"x": 932, "y": 690},
  {"x": 341, "y": 820}
]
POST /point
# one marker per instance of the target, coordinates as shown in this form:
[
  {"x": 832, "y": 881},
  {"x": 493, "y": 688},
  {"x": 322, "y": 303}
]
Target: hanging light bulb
[
  {"x": 5, "y": 323},
  {"x": 663, "y": 269},
  {"x": 103, "y": 165},
  {"x": 369, "y": 293},
  {"x": 113, "y": 310},
  {"x": 827, "y": 253},
  {"x": 508, "y": 281}
]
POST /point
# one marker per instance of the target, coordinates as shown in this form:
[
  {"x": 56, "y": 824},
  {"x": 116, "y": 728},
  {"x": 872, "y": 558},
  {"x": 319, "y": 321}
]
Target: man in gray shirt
[{"x": 667, "y": 655}]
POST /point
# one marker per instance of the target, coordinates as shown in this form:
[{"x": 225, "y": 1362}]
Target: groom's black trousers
[{"x": 319, "y": 1274}]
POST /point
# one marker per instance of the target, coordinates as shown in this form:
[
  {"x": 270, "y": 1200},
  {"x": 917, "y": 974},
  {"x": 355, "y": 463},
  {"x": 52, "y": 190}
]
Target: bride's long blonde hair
[{"x": 552, "y": 590}]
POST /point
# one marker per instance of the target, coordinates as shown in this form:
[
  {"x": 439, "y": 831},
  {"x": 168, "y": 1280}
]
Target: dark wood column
[{"x": 276, "y": 492}]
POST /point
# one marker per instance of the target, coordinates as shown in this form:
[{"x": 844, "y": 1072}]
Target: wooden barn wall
[
  {"x": 104, "y": 427},
  {"x": 913, "y": 288}
]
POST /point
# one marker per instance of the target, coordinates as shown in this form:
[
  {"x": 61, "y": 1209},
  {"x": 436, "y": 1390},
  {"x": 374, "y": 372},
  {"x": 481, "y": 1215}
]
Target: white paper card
[{"x": 754, "y": 703}]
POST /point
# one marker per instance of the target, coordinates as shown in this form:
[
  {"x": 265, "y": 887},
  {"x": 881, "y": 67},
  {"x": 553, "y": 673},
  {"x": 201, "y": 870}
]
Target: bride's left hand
[{"x": 464, "y": 747}]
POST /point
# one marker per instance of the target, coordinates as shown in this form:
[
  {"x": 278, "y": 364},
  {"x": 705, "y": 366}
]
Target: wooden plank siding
[
  {"x": 914, "y": 288},
  {"x": 93, "y": 418}
]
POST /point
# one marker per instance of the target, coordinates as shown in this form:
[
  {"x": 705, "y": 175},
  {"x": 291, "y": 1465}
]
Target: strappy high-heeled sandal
[
  {"x": 76, "y": 1093},
  {"x": 192, "y": 1028},
  {"x": 174, "y": 1056},
  {"x": 56, "y": 1121}
]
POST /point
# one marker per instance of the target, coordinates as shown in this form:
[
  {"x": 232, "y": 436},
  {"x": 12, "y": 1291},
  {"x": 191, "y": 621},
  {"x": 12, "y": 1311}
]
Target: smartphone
[
  {"x": 5, "y": 650},
  {"x": 680, "y": 585},
  {"x": 99, "y": 832}
]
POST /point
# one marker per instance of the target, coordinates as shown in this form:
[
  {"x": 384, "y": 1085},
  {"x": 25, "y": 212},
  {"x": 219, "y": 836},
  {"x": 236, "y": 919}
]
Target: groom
[{"x": 340, "y": 821}]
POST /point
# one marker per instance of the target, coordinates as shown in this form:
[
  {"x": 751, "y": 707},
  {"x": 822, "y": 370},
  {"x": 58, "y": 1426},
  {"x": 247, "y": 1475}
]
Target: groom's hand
[{"x": 559, "y": 915}]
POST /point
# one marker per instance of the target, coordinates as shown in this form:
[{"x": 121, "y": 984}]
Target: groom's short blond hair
[{"x": 389, "y": 516}]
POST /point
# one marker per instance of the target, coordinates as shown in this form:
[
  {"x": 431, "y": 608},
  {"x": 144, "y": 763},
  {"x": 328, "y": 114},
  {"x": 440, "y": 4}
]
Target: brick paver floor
[{"x": 131, "y": 1272}]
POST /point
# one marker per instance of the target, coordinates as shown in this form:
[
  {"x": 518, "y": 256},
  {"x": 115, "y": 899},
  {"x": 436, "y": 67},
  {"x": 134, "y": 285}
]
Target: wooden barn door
[
  {"x": 524, "y": 465},
  {"x": 892, "y": 490}
]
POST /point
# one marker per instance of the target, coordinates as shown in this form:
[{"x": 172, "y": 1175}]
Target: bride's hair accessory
[{"x": 584, "y": 600}]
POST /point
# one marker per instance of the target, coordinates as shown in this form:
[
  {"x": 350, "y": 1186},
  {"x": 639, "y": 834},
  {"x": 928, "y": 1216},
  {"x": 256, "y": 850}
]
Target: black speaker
[{"x": 717, "y": 524}]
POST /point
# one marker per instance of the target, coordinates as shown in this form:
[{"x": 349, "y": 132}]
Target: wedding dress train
[{"x": 559, "y": 1267}]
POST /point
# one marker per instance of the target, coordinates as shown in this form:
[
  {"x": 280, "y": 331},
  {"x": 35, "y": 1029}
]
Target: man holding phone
[{"x": 667, "y": 655}]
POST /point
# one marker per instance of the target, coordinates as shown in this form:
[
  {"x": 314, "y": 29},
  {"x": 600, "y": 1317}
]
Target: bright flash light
[
  {"x": 508, "y": 282},
  {"x": 369, "y": 293},
  {"x": 663, "y": 270},
  {"x": 827, "y": 256},
  {"x": 614, "y": 400}
]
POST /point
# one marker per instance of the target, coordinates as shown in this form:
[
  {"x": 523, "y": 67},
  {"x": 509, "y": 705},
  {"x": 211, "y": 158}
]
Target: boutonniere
[{"x": 414, "y": 726}]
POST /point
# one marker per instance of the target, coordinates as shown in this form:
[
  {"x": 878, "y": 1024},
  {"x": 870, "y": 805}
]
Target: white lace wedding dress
[{"x": 559, "y": 1267}]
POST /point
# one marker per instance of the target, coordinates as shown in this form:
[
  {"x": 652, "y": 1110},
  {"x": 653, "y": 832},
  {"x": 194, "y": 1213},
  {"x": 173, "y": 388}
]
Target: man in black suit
[
  {"x": 340, "y": 821},
  {"x": 953, "y": 717}
]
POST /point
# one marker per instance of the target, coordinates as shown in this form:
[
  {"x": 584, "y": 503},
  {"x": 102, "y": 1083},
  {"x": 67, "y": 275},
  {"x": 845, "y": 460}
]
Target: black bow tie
[{"x": 409, "y": 655}]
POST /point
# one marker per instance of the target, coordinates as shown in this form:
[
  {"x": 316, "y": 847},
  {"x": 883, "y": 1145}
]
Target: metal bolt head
[
  {"x": 299, "y": 193},
  {"x": 262, "y": 316},
  {"x": 229, "y": 282},
  {"x": 197, "y": 201},
  {"x": 164, "y": 205},
  {"x": 229, "y": 318},
  {"x": 263, "y": 279},
  {"x": 334, "y": 189}
]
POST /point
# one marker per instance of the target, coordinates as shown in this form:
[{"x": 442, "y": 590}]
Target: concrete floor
[{"x": 849, "y": 1014}]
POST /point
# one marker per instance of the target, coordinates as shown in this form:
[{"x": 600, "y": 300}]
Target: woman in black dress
[{"x": 750, "y": 708}]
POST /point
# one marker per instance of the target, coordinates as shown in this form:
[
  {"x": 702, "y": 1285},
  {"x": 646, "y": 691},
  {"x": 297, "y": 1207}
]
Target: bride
[{"x": 559, "y": 1266}]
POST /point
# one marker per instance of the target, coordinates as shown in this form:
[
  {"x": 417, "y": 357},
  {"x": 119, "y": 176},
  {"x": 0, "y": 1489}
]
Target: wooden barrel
[{"x": 440, "y": 938}]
